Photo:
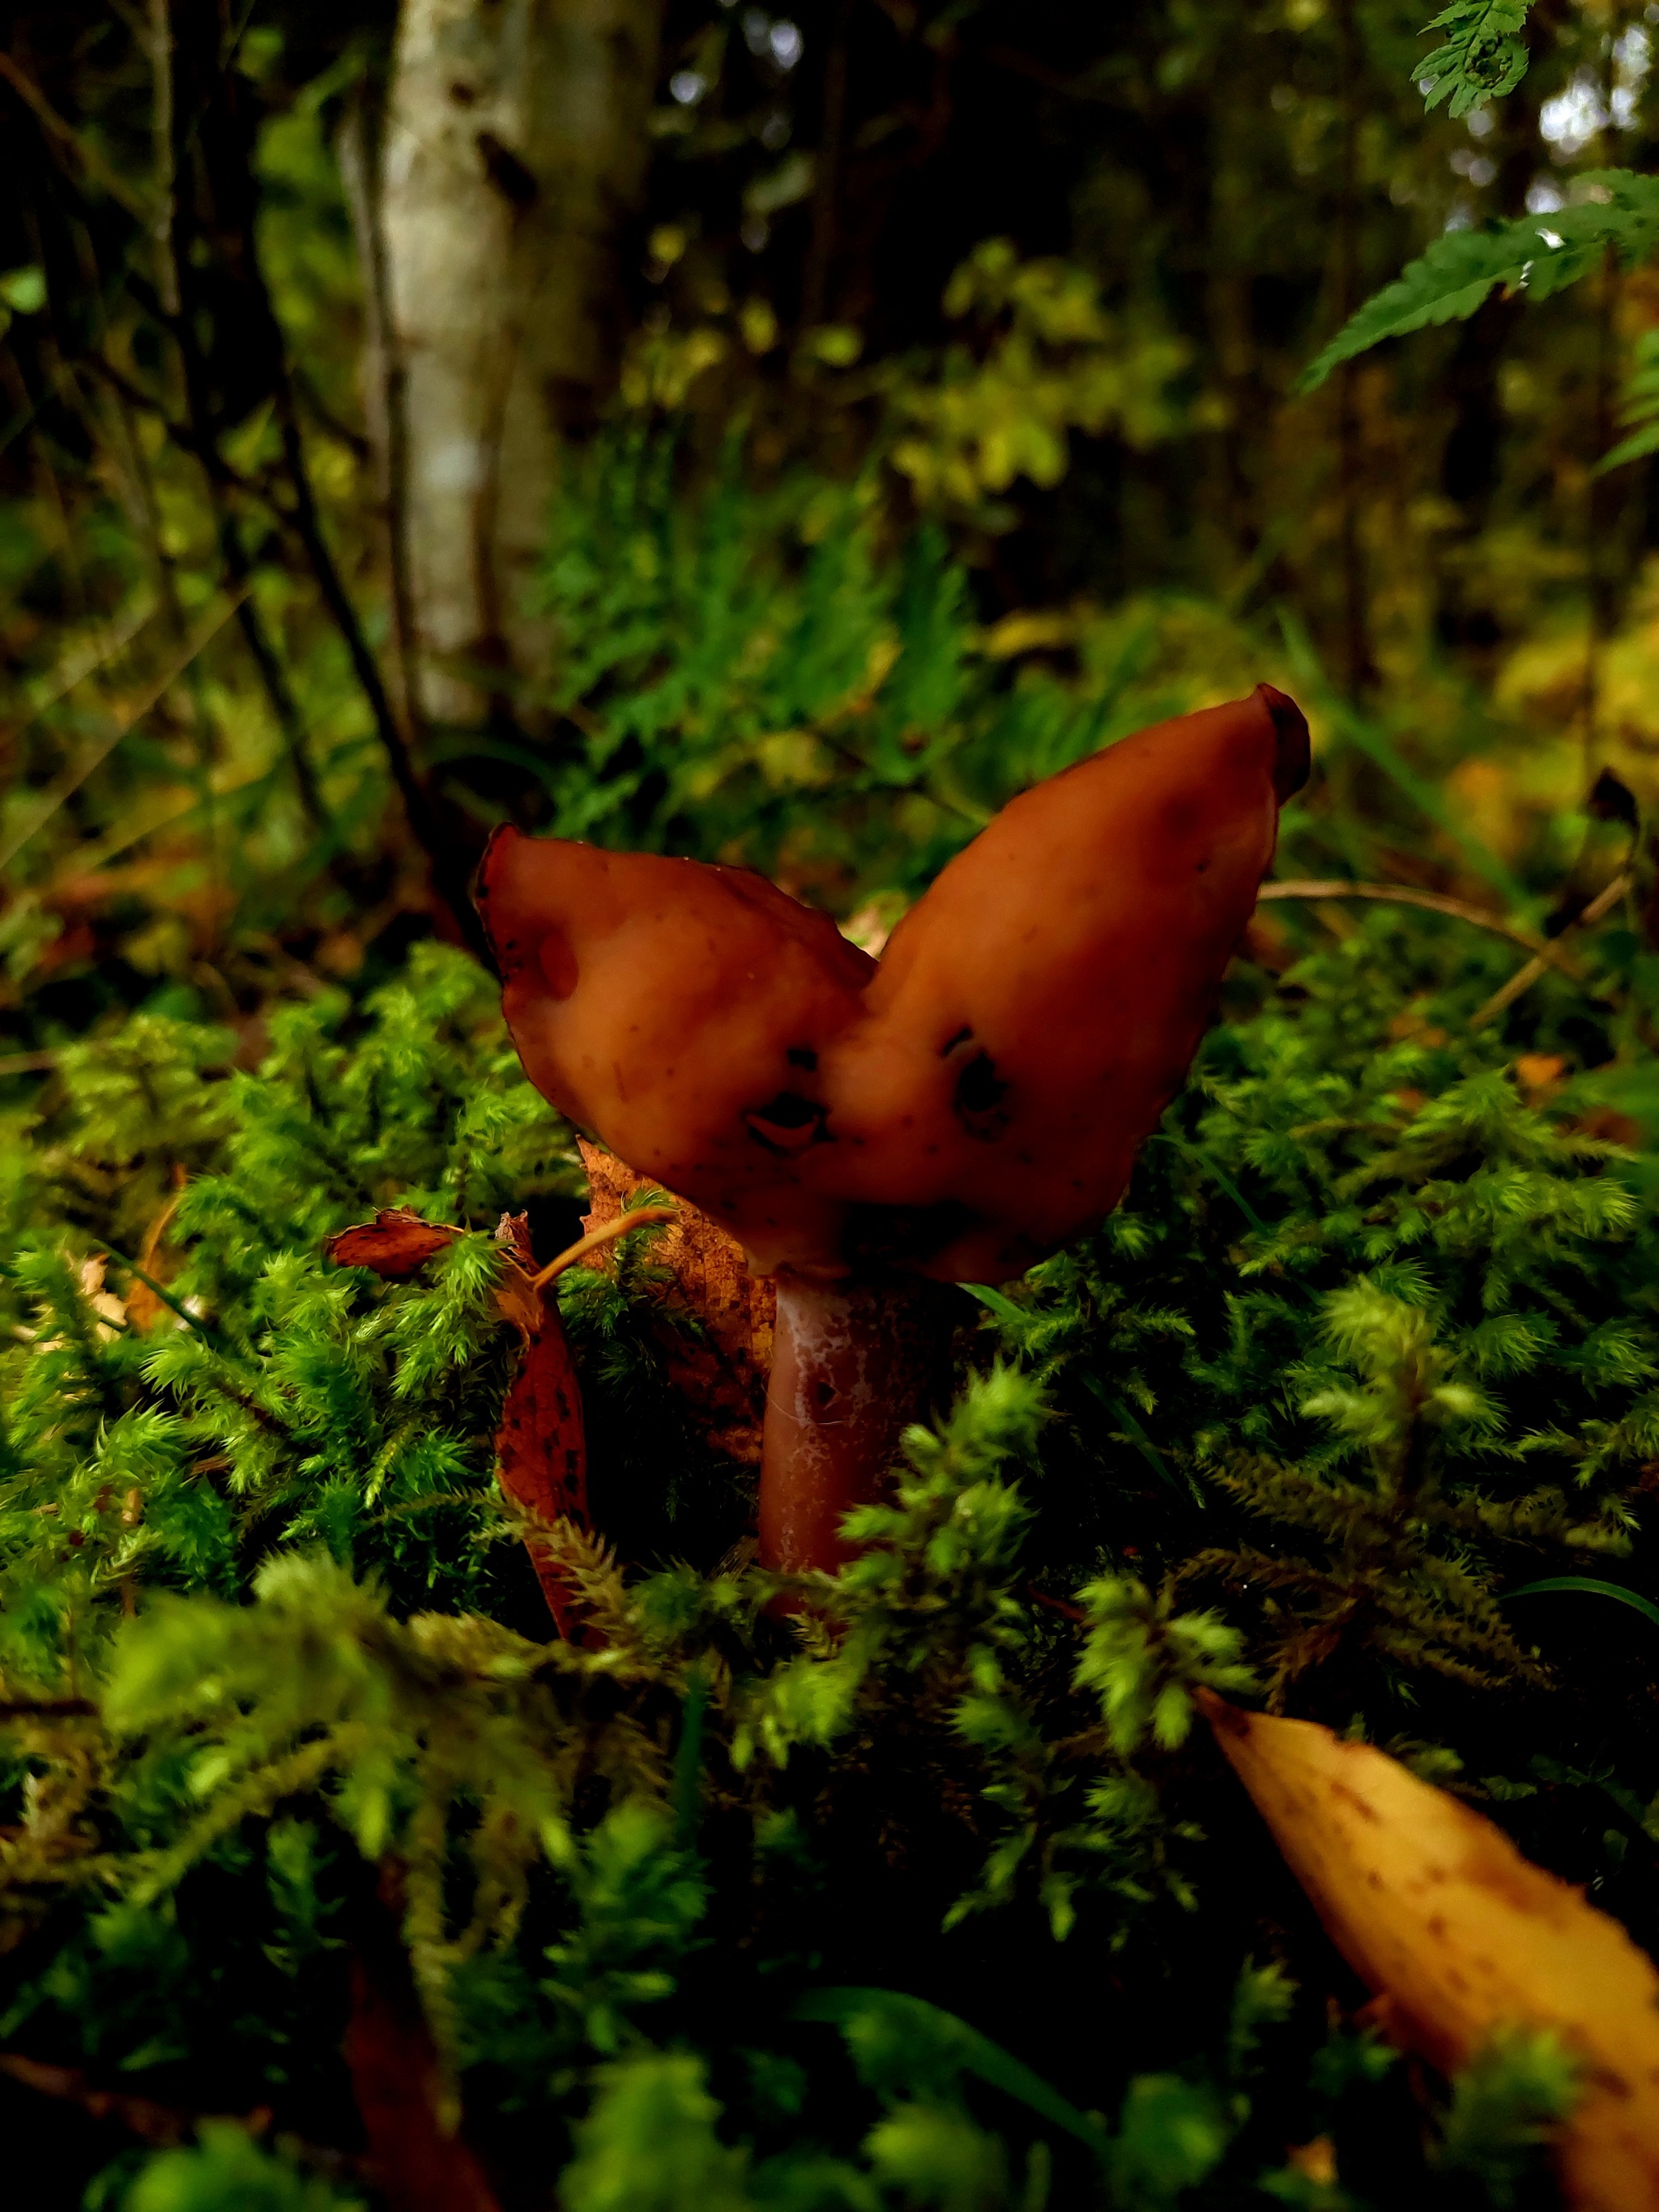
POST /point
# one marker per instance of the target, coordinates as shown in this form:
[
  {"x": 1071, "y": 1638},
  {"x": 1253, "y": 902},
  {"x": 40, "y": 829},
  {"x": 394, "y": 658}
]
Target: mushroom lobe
[
  {"x": 680, "y": 1011},
  {"x": 958, "y": 1112},
  {"x": 1036, "y": 1010}
]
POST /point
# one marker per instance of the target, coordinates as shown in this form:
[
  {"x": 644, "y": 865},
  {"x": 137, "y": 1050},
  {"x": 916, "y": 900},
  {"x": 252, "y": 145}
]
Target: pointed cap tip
[{"x": 1294, "y": 756}]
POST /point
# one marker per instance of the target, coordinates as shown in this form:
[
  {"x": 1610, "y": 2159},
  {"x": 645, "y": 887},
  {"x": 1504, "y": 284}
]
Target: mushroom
[{"x": 953, "y": 1115}]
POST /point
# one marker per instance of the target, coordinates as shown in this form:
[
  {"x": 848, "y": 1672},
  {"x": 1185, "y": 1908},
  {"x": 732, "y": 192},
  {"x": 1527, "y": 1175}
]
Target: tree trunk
[{"x": 515, "y": 151}]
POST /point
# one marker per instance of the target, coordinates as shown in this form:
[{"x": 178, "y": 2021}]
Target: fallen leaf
[
  {"x": 1458, "y": 1935},
  {"x": 398, "y": 2086},
  {"x": 541, "y": 1450},
  {"x": 541, "y": 1456},
  {"x": 144, "y": 1309},
  {"x": 1314, "y": 2161},
  {"x": 1611, "y": 1127},
  {"x": 396, "y": 1244},
  {"x": 721, "y": 1375},
  {"x": 1538, "y": 1074}
]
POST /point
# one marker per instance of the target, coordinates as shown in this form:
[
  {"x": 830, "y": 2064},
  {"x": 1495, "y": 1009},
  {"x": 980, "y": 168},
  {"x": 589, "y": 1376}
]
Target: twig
[
  {"x": 177, "y": 433},
  {"x": 448, "y": 874},
  {"x": 75, "y": 668},
  {"x": 28, "y": 1063},
  {"x": 46, "y": 1709},
  {"x": 88, "y": 156},
  {"x": 385, "y": 392},
  {"x": 603, "y": 1235},
  {"x": 160, "y": 43},
  {"x": 268, "y": 663},
  {"x": 1436, "y": 902},
  {"x": 160, "y": 2125},
  {"x": 1524, "y": 978},
  {"x": 73, "y": 777}
]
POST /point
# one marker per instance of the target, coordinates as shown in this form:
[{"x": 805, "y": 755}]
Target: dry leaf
[
  {"x": 397, "y": 1243},
  {"x": 1459, "y": 1934},
  {"x": 541, "y": 1452},
  {"x": 398, "y": 2087},
  {"x": 721, "y": 1376},
  {"x": 1539, "y": 1075},
  {"x": 144, "y": 1309},
  {"x": 541, "y": 1455}
]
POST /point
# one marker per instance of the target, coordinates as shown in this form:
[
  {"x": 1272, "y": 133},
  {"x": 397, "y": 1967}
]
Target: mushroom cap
[
  {"x": 671, "y": 1007},
  {"x": 965, "y": 1108},
  {"x": 1035, "y": 1012}
]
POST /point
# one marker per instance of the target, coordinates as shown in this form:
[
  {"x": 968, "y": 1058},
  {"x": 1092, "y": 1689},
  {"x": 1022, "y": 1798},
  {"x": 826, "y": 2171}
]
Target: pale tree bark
[{"x": 514, "y": 153}]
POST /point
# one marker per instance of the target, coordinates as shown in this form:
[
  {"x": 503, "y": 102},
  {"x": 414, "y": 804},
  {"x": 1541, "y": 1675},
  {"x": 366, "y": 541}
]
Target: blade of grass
[
  {"x": 1584, "y": 1586},
  {"x": 74, "y": 775},
  {"x": 1142, "y": 1443},
  {"x": 914, "y": 2023},
  {"x": 1379, "y": 749}
]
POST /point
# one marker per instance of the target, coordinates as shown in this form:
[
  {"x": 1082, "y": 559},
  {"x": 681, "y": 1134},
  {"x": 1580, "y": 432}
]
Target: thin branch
[
  {"x": 159, "y": 2125},
  {"x": 449, "y": 876},
  {"x": 74, "y": 667},
  {"x": 1524, "y": 978},
  {"x": 1436, "y": 903},
  {"x": 181, "y": 434},
  {"x": 272, "y": 674},
  {"x": 74, "y": 776},
  {"x": 638, "y": 1219},
  {"x": 160, "y": 43},
  {"x": 88, "y": 156},
  {"x": 386, "y": 384},
  {"x": 240, "y": 569}
]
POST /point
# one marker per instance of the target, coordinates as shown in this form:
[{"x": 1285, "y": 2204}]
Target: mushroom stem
[{"x": 852, "y": 1364}]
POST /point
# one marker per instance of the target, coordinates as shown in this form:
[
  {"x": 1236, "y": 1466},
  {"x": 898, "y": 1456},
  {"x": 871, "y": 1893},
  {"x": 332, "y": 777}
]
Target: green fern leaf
[
  {"x": 1482, "y": 58},
  {"x": 1539, "y": 254}
]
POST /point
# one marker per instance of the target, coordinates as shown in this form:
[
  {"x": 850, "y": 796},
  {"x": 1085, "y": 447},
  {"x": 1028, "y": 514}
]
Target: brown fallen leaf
[
  {"x": 541, "y": 1451},
  {"x": 1459, "y": 1934},
  {"x": 144, "y": 1309},
  {"x": 541, "y": 1455},
  {"x": 398, "y": 2086},
  {"x": 721, "y": 1376},
  {"x": 397, "y": 1243}
]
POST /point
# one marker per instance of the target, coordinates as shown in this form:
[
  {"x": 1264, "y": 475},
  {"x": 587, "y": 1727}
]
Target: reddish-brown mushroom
[
  {"x": 954, "y": 1115},
  {"x": 678, "y": 1011}
]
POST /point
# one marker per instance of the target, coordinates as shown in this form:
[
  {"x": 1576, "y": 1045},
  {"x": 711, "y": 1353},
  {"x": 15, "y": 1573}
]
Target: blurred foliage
[{"x": 956, "y": 436}]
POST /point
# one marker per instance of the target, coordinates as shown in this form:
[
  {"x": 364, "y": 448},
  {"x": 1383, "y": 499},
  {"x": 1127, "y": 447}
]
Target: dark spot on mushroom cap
[
  {"x": 978, "y": 1101},
  {"x": 787, "y": 1124},
  {"x": 802, "y": 1055}
]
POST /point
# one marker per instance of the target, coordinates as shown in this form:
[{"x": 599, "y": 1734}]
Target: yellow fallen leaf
[{"x": 1438, "y": 1913}]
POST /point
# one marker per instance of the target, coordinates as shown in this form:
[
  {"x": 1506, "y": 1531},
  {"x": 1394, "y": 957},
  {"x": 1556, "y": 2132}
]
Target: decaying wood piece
[
  {"x": 1458, "y": 1935},
  {"x": 722, "y": 1376}
]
